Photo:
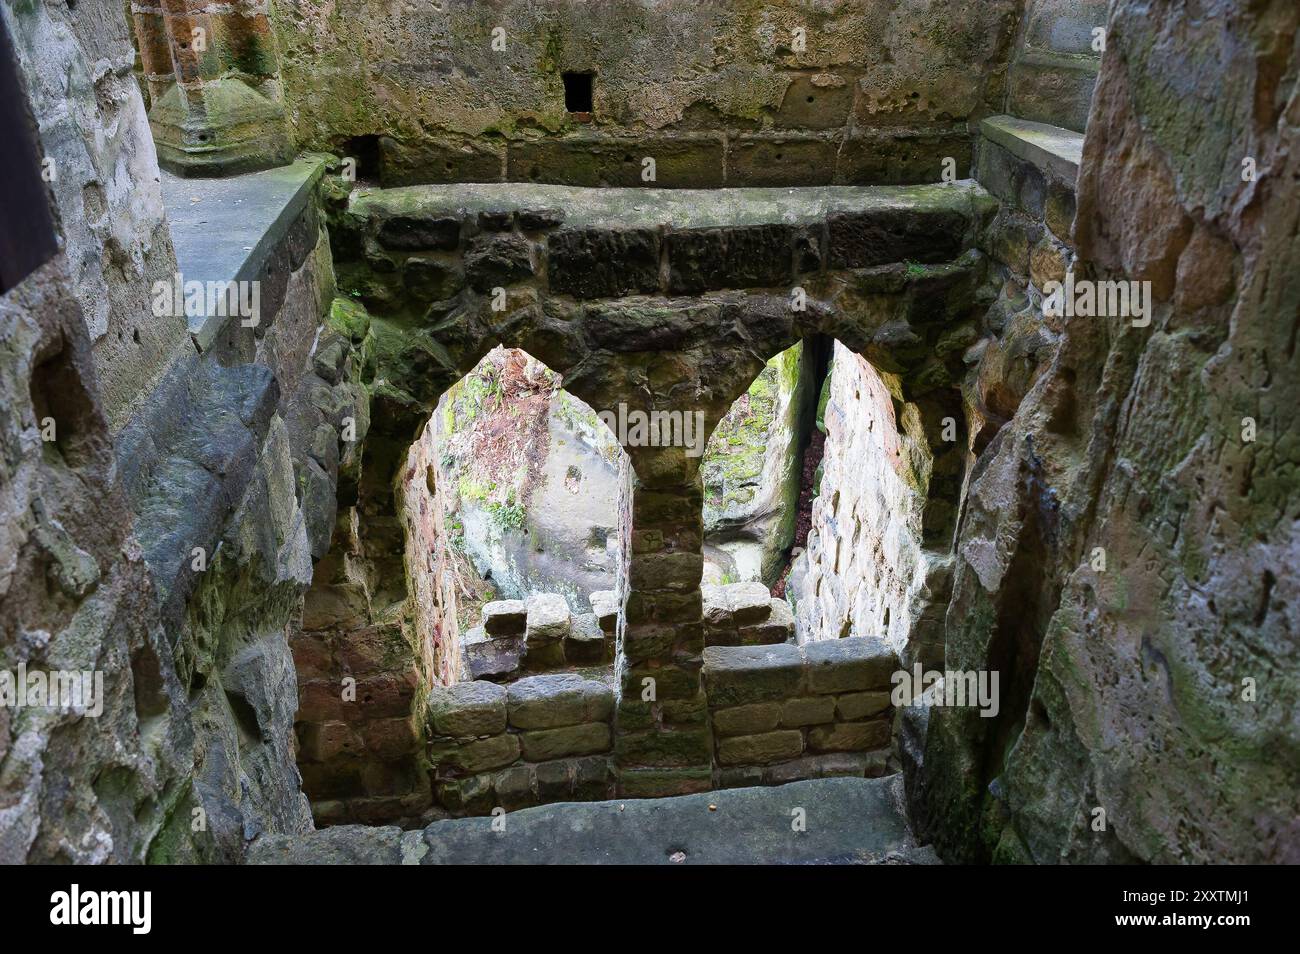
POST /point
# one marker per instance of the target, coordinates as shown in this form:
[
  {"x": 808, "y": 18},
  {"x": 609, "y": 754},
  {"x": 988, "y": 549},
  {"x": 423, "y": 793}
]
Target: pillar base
[{"x": 239, "y": 131}]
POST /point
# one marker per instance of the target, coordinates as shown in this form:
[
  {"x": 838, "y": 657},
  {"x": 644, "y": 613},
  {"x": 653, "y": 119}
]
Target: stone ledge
[
  {"x": 851, "y": 820},
  {"x": 1050, "y": 148},
  {"x": 253, "y": 213}
]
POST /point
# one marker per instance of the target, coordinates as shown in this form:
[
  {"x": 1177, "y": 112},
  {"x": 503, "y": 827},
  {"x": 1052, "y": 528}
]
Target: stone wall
[
  {"x": 543, "y": 738},
  {"x": 519, "y": 636},
  {"x": 1054, "y": 68},
  {"x": 1126, "y": 546},
  {"x": 716, "y": 93},
  {"x": 752, "y": 471},
  {"x": 104, "y": 180},
  {"x": 865, "y": 567},
  {"x": 782, "y": 713},
  {"x": 182, "y": 543}
]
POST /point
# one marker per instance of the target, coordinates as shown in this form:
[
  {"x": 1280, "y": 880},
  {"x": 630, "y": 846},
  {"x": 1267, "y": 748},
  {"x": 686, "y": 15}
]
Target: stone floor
[{"x": 845, "y": 821}]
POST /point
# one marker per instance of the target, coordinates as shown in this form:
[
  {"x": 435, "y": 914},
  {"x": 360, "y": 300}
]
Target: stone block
[
  {"x": 542, "y": 745},
  {"x": 736, "y": 675},
  {"x": 416, "y": 232},
  {"x": 323, "y": 741},
  {"x": 538, "y": 220},
  {"x": 764, "y": 160},
  {"x": 807, "y": 710},
  {"x": 761, "y": 749},
  {"x": 480, "y": 755},
  {"x": 543, "y": 657},
  {"x": 692, "y": 161},
  {"x": 855, "y": 664},
  {"x": 663, "y": 747},
  {"x": 818, "y": 101},
  {"x": 514, "y": 787},
  {"x": 554, "y": 783},
  {"x": 747, "y": 720},
  {"x": 717, "y": 608},
  {"x": 391, "y": 739},
  {"x": 850, "y": 736},
  {"x": 488, "y": 658},
  {"x": 505, "y": 617},
  {"x": 663, "y": 782},
  {"x": 472, "y": 795},
  {"x": 586, "y": 643},
  {"x": 750, "y": 602},
  {"x": 427, "y": 279},
  {"x": 754, "y": 256},
  {"x": 551, "y": 701},
  {"x": 669, "y": 681},
  {"x": 498, "y": 260},
  {"x": 861, "y": 705},
  {"x": 777, "y": 628},
  {"x": 882, "y": 236},
  {"x": 468, "y": 709},
  {"x": 548, "y": 619},
  {"x": 603, "y": 263},
  {"x": 829, "y": 765},
  {"x": 605, "y": 603},
  {"x": 592, "y": 778},
  {"x": 431, "y": 160}
]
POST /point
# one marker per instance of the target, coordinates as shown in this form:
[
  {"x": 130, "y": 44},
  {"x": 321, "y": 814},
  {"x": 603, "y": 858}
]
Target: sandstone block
[
  {"x": 761, "y": 749},
  {"x": 850, "y": 736},
  {"x": 505, "y": 617},
  {"x": 736, "y": 675},
  {"x": 747, "y": 720},
  {"x": 543, "y": 745},
  {"x": 854, "y": 664},
  {"x": 604, "y": 603},
  {"x": 551, "y": 701},
  {"x": 548, "y": 618},
  {"x": 403, "y": 232},
  {"x": 603, "y": 263},
  {"x": 468, "y": 709},
  {"x": 586, "y": 642},
  {"x": 807, "y": 710},
  {"x": 480, "y": 755},
  {"x": 861, "y": 705}
]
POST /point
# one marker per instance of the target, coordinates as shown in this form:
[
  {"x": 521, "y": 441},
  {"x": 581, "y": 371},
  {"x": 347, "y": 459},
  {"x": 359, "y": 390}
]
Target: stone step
[{"x": 847, "y": 821}]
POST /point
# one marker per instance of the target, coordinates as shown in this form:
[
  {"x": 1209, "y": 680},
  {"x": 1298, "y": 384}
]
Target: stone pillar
[
  {"x": 663, "y": 745},
  {"x": 213, "y": 78}
]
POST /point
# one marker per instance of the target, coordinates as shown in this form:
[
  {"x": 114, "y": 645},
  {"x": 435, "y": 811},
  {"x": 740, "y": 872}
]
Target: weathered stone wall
[
  {"x": 104, "y": 177},
  {"x": 782, "y": 713},
  {"x": 1054, "y": 68},
  {"x": 715, "y": 92},
  {"x": 541, "y": 739},
  {"x": 180, "y": 548},
  {"x": 865, "y": 567},
  {"x": 1126, "y": 547},
  {"x": 752, "y": 470}
]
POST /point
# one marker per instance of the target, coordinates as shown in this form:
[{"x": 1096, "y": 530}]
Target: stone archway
[{"x": 644, "y": 319}]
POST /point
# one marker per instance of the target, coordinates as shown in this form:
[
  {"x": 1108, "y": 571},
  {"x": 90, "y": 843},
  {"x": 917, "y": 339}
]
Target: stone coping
[
  {"x": 1050, "y": 148},
  {"x": 233, "y": 228},
  {"x": 680, "y": 208}
]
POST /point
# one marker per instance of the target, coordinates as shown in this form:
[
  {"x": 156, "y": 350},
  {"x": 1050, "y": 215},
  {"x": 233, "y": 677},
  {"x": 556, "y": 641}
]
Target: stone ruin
[{"x": 253, "y": 245}]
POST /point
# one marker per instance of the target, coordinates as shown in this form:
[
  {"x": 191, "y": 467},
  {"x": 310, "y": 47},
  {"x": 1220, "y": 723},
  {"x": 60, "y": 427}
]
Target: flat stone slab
[
  {"x": 251, "y": 214},
  {"x": 848, "y": 821},
  {"x": 1048, "y": 147}
]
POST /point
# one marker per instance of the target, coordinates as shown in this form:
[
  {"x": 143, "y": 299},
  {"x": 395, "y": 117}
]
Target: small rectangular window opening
[{"x": 577, "y": 91}]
